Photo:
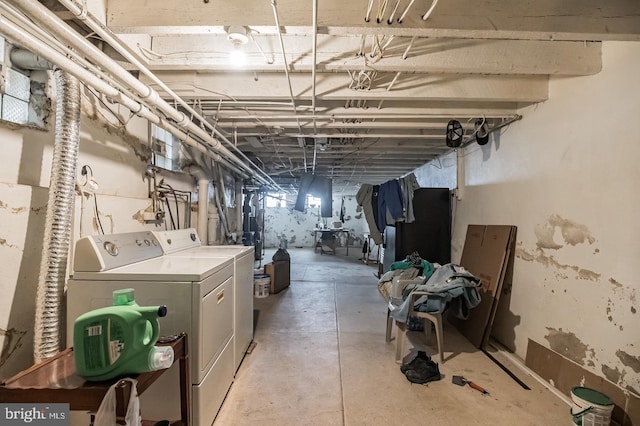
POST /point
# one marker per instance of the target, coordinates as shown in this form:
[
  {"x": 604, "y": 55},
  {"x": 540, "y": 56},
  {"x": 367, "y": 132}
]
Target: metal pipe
[
  {"x": 339, "y": 116},
  {"x": 46, "y": 18},
  {"x": 314, "y": 55},
  {"x": 313, "y": 77},
  {"x": 203, "y": 200},
  {"x": 286, "y": 64},
  {"x": 57, "y": 233},
  {"x": 493, "y": 129}
]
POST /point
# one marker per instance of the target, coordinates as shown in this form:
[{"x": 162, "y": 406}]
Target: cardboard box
[
  {"x": 485, "y": 254},
  {"x": 279, "y": 271}
]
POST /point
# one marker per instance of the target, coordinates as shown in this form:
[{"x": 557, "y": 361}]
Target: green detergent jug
[{"x": 119, "y": 339}]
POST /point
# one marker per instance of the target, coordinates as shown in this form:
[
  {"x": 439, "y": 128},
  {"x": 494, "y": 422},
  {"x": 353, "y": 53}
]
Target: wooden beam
[
  {"x": 273, "y": 86},
  {"x": 338, "y": 53},
  {"x": 516, "y": 19}
]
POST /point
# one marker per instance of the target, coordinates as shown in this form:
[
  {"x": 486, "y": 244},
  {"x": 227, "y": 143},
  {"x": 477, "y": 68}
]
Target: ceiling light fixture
[{"x": 238, "y": 37}]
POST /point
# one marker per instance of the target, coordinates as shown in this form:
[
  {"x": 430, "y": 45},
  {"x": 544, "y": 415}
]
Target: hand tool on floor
[{"x": 461, "y": 381}]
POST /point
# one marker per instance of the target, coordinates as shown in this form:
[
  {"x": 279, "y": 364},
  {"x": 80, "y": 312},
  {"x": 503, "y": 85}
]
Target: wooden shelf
[{"x": 55, "y": 381}]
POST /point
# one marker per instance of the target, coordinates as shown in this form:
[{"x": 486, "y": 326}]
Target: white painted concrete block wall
[
  {"x": 567, "y": 176},
  {"x": 296, "y": 227}
]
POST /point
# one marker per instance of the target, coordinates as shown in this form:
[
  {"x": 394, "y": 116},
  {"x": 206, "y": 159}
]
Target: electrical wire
[
  {"x": 173, "y": 224},
  {"x": 428, "y": 13},
  {"x": 95, "y": 202}
]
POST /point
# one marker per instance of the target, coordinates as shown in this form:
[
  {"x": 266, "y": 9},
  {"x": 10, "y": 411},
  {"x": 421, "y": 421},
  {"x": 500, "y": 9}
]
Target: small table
[
  {"x": 333, "y": 231},
  {"x": 55, "y": 381}
]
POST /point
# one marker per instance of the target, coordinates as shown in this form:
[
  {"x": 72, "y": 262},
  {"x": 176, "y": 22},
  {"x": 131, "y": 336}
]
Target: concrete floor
[{"x": 321, "y": 359}]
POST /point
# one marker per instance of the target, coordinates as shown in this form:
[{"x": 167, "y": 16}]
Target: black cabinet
[{"x": 429, "y": 235}]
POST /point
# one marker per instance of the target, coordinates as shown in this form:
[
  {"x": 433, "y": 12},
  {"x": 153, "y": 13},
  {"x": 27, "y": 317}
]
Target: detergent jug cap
[{"x": 124, "y": 296}]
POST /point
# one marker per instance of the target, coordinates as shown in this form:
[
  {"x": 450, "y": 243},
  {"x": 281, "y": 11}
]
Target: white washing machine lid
[
  {"x": 215, "y": 251},
  {"x": 164, "y": 268}
]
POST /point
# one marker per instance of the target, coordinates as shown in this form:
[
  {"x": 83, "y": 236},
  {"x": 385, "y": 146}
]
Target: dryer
[
  {"x": 185, "y": 243},
  {"x": 198, "y": 293}
]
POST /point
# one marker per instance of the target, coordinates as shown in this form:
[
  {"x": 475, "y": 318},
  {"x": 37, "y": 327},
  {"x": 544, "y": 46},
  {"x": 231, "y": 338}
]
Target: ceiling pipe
[
  {"x": 378, "y": 116},
  {"x": 22, "y": 37},
  {"x": 203, "y": 200},
  {"x": 81, "y": 13},
  {"x": 286, "y": 63},
  {"x": 49, "y": 20},
  {"x": 313, "y": 77},
  {"x": 315, "y": 57},
  {"x": 469, "y": 141}
]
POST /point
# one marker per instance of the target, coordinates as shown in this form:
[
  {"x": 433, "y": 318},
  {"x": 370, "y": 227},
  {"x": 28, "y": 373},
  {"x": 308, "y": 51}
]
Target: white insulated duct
[
  {"x": 203, "y": 200},
  {"x": 47, "y": 19},
  {"x": 57, "y": 234}
]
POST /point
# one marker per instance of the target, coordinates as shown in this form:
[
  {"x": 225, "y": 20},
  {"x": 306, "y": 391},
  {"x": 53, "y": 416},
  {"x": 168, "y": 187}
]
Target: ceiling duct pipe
[
  {"x": 203, "y": 200},
  {"x": 47, "y": 19},
  {"x": 81, "y": 13},
  {"x": 57, "y": 231}
]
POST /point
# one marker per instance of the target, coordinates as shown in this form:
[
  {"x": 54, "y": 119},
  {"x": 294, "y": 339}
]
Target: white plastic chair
[{"x": 427, "y": 319}]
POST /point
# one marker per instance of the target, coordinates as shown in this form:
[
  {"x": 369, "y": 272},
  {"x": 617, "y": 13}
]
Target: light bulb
[{"x": 237, "y": 57}]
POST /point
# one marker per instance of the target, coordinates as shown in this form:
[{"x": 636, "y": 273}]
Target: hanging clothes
[
  {"x": 408, "y": 184},
  {"x": 364, "y": 197},
  {"x": 375, "y": 204},
  {"x": 318, "y": 186},
  {"x": 389, "y": 198},
  {"x": 342, "y": 211}
]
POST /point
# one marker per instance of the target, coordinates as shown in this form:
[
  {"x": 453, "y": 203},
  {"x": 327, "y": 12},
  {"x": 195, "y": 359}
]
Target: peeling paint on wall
[
  {"x": 544, "y": 234},
  {"x": 573, "y": 233},
  {"x": 139, "y": 147},
  {"x": 611, "y": 373},
  {"x": 4, "y": 242},
  {"x": 12, "y": 341},
  {"x": 633, "y": 310},
  {"x": 615, "y": 283},
  {"x": 549, "y": 261},
  {"x": 630, "y": 361},
  {"x": 567, "y": 344},
  {"x": 585, "y": 274},
  {"x": 2, "y": 205}
]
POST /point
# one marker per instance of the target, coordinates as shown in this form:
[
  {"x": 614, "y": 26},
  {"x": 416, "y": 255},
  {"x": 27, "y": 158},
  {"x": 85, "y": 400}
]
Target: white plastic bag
[{"x": 106, "y": 415}]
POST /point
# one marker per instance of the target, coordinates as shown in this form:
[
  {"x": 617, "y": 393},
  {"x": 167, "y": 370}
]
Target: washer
[
  {"x": 185, "y": 243},
  {"x": 198, "y": 293}
]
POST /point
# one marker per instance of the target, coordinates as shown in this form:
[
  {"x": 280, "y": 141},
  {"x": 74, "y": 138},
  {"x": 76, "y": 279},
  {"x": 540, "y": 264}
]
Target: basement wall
[
  {"x": 118, "y": 158},
  {"x": 296, "y": 227},
  {"x": 567, "y": 176}
]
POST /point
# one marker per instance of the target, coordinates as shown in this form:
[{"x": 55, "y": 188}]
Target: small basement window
[
  {"x": 166, "y": 149},
  {"x": 14, "y": 91},
  {"x": 276, "y": 200},
  {"x": 313, "y": 202}
]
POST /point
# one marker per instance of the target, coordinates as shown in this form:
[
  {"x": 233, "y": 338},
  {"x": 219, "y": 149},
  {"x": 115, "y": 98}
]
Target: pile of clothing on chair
[{"x": 450, "y": 286}]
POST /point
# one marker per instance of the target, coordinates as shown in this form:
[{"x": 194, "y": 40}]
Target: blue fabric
[
  {"x": 450, "y": 284},
  {"x": 389, "y": 198}
]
